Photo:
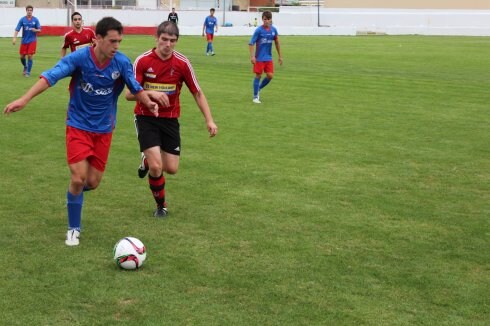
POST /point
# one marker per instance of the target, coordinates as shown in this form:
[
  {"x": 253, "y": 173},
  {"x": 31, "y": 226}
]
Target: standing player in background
[
  {"x": 98, "y": 77},
  {"x": 30, "y": 27},
  {"x": 163, "y": 70},
  {"x": 78, "y": 37},
  {"x": 209, "y": 27},
  {"x": 173, "y": 17},
  {"x": 262, "y": 58}
]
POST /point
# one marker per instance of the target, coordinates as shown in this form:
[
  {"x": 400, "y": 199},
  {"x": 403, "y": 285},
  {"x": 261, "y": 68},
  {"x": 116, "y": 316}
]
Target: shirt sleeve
[
  {"x": 129, "y": 78},
  {"x": 64, "y": 68},
  {"x": 19, "y": 25},
  {"x": 190, "y": 79},
  {"x": 65, "y": 42},
  {"x": 254, "y": 37}
]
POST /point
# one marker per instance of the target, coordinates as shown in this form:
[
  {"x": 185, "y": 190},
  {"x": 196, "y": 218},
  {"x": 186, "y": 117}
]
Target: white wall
[{"x": 290, "y": 20}]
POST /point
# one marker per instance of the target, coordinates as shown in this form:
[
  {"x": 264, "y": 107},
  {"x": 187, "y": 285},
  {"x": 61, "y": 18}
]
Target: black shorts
[{"x": 163, "y": 132}]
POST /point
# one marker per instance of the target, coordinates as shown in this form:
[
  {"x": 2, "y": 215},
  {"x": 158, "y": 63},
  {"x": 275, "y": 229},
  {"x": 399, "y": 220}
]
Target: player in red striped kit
[
  {"x": 162, "y": 69},
  {"x": 79, "y": 37}
]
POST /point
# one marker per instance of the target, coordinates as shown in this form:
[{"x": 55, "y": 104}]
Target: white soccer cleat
[
  {"x": 256, "y": 100},
  {"x": 72, "y": 237}
]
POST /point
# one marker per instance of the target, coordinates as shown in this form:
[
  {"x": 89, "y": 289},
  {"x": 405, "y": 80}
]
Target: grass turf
[{"x": 356, "y": 193}]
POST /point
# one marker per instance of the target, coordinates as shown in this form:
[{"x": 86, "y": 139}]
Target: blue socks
[
  {"x": 264, "y": 83},
  {"x": 29, "y": 66},
  {"x": 74, "y": 205},
  {"x": 259, "y": 85},
  {"x": 256, "y": 86}
]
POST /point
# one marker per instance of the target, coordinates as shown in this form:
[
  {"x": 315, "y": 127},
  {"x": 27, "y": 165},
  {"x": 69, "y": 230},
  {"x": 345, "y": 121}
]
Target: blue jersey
[
  {"x": 263, "y": 39},
  {"x": 28, "y": 36},
  {"x": 210, "y": 22},
  {"x": 94, "y": 89}
]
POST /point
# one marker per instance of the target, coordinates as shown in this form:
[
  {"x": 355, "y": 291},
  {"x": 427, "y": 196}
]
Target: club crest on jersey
[{"x": 115, "y": 75}]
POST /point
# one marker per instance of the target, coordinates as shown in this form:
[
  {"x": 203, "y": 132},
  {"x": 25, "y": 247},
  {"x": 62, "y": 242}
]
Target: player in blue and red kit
[
  {"x": 164, "y": 70},
  {"x": 99, "y": 75},
  {"x": 262, "y": 39},
  {"x": 30, "y": 27},
  {"x": 210, "y": 26}
]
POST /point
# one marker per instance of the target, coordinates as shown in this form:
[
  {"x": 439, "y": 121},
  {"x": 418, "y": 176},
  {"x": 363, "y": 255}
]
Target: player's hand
[
  {"x": 15, "y": 106},
  {"x": 153, "y": 107},
  {"x": 13, "y": 41},
  {"x": 280, "y": 61},
  {"x": 252, "y": 60},
  {"x": 159, "y": 97},
  {"x": 212, "y": 128}
]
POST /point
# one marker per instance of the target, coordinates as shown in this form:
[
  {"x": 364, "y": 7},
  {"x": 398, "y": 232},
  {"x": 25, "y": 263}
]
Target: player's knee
[
  {"x": 77, "y": 182},
  {"x": 155, "y": 169},
  {"x": 91, "y": 185},
  {"x": 171, "y": 169}
]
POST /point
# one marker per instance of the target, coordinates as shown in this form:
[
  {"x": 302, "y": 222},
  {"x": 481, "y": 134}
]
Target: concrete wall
[
  {"x": 410, "y": 4},
  {"x": 243, "y": 4},
  {"x": 289, "y": 21}
]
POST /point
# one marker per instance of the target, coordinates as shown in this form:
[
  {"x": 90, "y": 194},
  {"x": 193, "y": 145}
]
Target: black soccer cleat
[
  {"x": 160, "y": 212},
  {"x": 143, "y": 168}
]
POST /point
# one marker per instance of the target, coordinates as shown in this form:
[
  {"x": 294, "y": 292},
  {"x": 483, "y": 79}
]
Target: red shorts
[
  {"x": 85, "y": 145},
  {"x": 263, "y": 66},
  {"x": 209, "y": 36},
  {"x": 28, "y": 48}
]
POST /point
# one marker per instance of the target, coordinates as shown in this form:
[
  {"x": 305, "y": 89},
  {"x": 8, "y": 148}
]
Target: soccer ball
[{"x": 129, "y": 253}]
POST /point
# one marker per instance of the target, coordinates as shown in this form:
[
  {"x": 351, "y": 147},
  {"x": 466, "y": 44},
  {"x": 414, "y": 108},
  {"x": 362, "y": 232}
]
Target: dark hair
[
  {"x": 106, "y": 24},
  {"x": 76, "y": 13},
  {"x": 267, "y": 14},
  {"x": 212, "y": 9},
  {"x": 168, "y": 27},
  {"x": 29, "y": 7}
]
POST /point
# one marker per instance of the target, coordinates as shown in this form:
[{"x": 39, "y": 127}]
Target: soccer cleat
[
  {"x": 25, "y": 71},
  {"x": 256, "y": 100},
  {"x": 160, "y": 212},
  {"x": 72, "y": 237},
  {"x": 27, "y": 75},
  {"x": 212, "y": 53},
  {"x": 143, "y": 168},
  {"x": 207, "y": 53}
]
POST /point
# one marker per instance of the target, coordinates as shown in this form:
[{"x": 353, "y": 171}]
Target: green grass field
[{"x": 357, "y": 193}]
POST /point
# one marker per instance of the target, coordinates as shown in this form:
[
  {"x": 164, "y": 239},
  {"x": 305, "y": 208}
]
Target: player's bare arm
[
  {"x": 40, "y": 86},
  {"x": 159, "y": 97},
  {"x": 252, "y": 53},
  {"x": 14, "y": 39},
  {"x": 203, "y": 105},
  {"x": 278, "y": 48},
  {"x": 152, "y": 102}
]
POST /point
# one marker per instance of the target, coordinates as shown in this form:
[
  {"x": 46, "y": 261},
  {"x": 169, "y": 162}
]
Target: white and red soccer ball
[{"x": 129, "y": 253}]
